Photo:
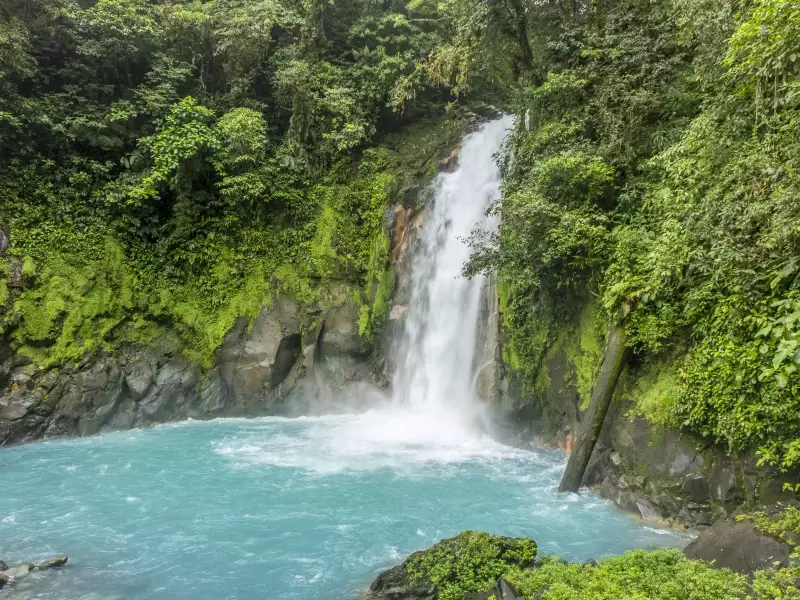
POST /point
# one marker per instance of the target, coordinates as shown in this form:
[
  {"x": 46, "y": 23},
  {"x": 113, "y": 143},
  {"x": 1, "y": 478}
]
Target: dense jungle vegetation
[
  {"x": 169, "y": 164},
  {"x": 655, "y": 170}
]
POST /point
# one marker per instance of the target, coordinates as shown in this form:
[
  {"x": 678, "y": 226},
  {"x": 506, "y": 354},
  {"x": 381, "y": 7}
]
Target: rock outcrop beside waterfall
[
  {"x": 273, "y": 365},
  {"x": 447, "y": 565}
]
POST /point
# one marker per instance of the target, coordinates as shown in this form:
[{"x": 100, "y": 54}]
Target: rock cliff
[{"x": 287, "y": 353}]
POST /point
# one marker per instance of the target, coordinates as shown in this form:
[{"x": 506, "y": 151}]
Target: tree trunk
[
  {"x": 614, "y": 359},
  {"x": 521, "y": 19}
]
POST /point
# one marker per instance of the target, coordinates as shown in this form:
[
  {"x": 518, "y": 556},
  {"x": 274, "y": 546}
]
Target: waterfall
[{"x": 434, "y": 377}]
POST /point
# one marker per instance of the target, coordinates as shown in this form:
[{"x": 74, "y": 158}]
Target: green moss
[
  {"x": 28, "y": 267},
  {"x": 585, "y": 349},
  {"x": 378, "y": 288},
  {"x": 3, "y": 292},
  {"x": 656, "y": 389},
  {"x": 322, "y": 251},
  {"x": 383, "y": 295},
  {"x": 75, "y": 309}
]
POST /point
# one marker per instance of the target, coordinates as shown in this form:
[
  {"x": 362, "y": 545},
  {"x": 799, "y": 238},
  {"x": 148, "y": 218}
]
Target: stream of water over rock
[{"x": 309, "y": 508}]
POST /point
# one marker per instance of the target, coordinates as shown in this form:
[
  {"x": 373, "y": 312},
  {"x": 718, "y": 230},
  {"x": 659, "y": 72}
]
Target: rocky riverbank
[
  {"x": 289, "y": 354},
  {"x": 481, "y": 566}
]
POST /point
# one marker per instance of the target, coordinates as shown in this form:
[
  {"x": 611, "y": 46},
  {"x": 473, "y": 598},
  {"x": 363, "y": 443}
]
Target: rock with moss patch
[
  {"x": 471, "y": 562},
  {"x": 738, "y": 546}
]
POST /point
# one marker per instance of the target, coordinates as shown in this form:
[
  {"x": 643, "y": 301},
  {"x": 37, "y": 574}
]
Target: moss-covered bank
[{"x": 469, "y": 565}]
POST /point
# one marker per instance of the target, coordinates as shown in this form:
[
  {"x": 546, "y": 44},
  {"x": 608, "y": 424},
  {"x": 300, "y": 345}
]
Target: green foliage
[
  {"x": 469, "y": 562},
  {"x": 219, "y": 147},
  {"x": 713, "y": 250},
  {"x": 637, "y": 575},
  {"x": 472, "y": 562},
  {"x": 655, "y": 165}
]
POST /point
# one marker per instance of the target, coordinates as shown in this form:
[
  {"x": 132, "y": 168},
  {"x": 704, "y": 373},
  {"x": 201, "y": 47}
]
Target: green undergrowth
[
  {"x": 644, "y": 575},
  {"x": 473, "y": 561},
  {"x": 469, "y": 562}
]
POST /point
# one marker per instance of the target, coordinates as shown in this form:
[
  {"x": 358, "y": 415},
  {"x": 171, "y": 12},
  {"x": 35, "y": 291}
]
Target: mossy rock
[{"x": 470, "y": 562}]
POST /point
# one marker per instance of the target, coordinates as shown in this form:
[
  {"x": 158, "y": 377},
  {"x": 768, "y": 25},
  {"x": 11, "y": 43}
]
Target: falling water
[{"x": 435, "y": 373}]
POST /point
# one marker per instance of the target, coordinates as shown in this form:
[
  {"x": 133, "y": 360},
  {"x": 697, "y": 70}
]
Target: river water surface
[{"x": 269, "y": 508}]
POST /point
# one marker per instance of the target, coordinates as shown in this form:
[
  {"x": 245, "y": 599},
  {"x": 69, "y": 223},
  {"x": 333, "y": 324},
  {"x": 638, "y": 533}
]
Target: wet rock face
[
  {"x": 253, "y": 362},
  {"x": 17, "y": 572},
  {"x": 738, "y": 546},
  {"x": 258, "y": 369}
]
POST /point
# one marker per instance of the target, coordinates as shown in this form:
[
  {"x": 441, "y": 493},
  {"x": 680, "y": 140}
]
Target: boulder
[
  {"x": 15, "y": 573},
  {"x": 502, "y": 590},
  {"x": 253, "y": 363},
  {"x": 340, "y": 332},
  {"x": 18, "y": 403},
  {"x": 411, "y": 580},
  {"x": 738, "y": 546},
  {"x": 139, "y": 377}
]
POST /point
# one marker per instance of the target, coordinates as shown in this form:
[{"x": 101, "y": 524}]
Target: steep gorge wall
[{"x": 655, "y": 471}]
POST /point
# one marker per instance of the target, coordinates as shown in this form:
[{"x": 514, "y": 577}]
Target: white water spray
[{"x": 434, "y": 380}]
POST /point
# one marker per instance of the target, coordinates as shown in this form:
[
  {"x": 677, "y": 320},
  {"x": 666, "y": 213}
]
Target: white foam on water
[{"x": 393, "y": 438}]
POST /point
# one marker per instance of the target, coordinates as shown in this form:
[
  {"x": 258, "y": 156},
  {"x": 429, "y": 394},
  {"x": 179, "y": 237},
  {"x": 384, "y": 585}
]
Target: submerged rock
[
  {"x": 58, "y": 561},
  {"x": 15, "y": 573}
]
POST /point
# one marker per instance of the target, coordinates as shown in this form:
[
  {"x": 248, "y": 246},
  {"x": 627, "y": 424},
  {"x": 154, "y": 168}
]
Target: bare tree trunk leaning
[{"x": 614, "y": 359}]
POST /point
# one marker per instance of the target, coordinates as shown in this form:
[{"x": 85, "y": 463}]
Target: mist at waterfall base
[{"x": 314, "y": 507}]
